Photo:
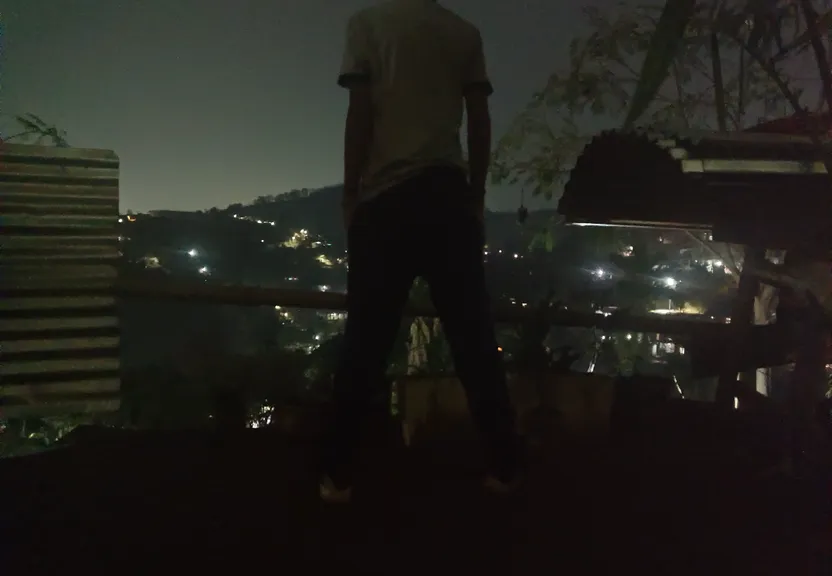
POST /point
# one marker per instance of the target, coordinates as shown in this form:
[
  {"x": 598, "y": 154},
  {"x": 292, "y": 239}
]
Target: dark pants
[{"x": 425, "y": 227}]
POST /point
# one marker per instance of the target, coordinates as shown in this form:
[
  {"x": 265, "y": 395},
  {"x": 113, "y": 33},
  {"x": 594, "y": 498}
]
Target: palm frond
[{"x": 34, "y": 127}]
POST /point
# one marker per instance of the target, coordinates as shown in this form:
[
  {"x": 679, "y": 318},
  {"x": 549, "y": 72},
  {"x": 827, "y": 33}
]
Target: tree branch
[
  {"x": 719, "y": 86},
  {"x": 680, "y": 94},
  {"x": 811, "y": 17},
  {"x": 621, "y": 62},
  {"x": 771, "y": 70},
  {"x": 21, "y": 135},
  {"x": 741, "y": 91}
]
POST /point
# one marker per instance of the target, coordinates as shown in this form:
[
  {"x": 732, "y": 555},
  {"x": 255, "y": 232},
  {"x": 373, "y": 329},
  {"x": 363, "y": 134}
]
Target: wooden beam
[
  {"x": 742, "y": 318},
  {"x": 214, "y": 293}
]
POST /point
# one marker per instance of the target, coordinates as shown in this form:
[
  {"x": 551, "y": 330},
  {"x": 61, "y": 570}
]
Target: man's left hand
[
  {"x": 478, "y": 205},
  {"x": 348, "y": 209}
]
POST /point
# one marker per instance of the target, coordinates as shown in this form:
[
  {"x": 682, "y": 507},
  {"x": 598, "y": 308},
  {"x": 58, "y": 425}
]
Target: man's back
[
  {"x": 410, "y": 67},
  {"x": 419, "y": 58}
]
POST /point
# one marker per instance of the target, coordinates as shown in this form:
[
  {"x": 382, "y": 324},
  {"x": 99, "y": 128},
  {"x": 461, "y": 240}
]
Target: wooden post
[
  {"x": 742, "y": 315},
  {"x": 808, "y": 382}
]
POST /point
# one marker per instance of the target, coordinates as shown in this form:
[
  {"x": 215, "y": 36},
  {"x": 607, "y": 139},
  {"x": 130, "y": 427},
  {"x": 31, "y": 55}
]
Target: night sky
[{"x": 211, "y": 102}]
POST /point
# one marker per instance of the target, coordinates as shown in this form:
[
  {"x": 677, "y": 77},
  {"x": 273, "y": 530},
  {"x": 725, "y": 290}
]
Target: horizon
[{"x": 250, "y": 203}]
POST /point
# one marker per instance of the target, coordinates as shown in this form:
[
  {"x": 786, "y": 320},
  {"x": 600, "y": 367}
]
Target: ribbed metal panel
[
  {"x": 748, "y": 188},
  {"x": 59, "y": 337}
]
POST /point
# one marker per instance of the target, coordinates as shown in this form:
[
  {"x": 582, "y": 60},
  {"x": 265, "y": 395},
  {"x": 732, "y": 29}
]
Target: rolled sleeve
[
  {"x": 475, "y": 75},
  {"x": 355, "y": 65}
]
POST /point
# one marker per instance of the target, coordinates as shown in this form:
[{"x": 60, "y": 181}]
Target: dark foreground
[{"x": 186, "y": 502}]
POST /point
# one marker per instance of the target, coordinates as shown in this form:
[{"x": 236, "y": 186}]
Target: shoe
[
  {"x": 496, "y": 486},
  {"x": 506, "y": 483},
  {"x": 332, "y": 494}
]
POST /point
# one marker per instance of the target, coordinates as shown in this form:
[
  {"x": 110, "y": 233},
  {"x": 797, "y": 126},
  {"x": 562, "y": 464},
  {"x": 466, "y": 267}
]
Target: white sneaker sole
[
  {"x": 329, "y": 493},
  {"x": 495, "y": 486}
]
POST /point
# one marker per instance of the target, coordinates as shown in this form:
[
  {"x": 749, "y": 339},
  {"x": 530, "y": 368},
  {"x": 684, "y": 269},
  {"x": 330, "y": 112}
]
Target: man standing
[{"x": 413, "y": 207}]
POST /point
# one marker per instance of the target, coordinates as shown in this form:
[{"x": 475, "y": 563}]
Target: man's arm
[
  {"x": 356, "y": 76},
  {"x": 358, "y": 134},
  {"x": 479, "y": 139},
  {"x": 476, "y": 89}
]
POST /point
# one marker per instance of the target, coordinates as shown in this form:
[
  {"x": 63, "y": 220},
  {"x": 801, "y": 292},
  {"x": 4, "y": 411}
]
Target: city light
[
  {"x": 204, "y": 271},
  {"x": 324, "y": 260},
  {"x": 671, "y": 282},
  {"x": 297, "y": 239},
  {"x": 254, "y": 220},
  {"x": 151, "y": 262},
  {"x": 193, "y": 253}
]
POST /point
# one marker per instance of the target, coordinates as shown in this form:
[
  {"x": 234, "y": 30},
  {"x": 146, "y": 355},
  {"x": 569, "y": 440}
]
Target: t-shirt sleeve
[
  {"x": 355, "y": 65},
  {"x": 475, "y": 76}
]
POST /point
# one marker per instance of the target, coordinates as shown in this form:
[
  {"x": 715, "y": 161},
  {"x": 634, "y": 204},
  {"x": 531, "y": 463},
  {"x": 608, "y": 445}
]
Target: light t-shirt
[{"x": 420, "y": 59}]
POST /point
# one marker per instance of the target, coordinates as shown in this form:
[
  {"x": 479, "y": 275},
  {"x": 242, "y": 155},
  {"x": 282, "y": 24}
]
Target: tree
[{"x": 699, "y": 79}]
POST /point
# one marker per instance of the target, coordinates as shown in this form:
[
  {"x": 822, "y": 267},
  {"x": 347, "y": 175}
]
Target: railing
[{"x": 290, "y": 298}]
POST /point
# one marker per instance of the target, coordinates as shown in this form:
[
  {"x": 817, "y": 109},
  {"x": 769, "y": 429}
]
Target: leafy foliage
[
  {"x": 757, "y": 29},
  {"x": 37, "y": 131},
  {"x": 604, "y": 74}
]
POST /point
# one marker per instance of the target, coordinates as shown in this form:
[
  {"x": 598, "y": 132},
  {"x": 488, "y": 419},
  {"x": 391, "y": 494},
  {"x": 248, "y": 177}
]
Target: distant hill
[
  {"x": 317, "y": 211},
  {"x": 320, "y": 212}
]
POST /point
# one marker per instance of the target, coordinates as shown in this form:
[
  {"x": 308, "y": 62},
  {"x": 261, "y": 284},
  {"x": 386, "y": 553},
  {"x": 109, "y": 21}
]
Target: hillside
[
  {"x": 294, "y": 240},
  {"x": 319, "y": 212}
]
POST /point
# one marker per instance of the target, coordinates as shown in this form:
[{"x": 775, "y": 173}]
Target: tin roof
[{"x": 743, "y": 186}]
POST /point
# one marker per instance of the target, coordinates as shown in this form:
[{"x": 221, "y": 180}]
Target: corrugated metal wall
[{"x": 59, "y": 250}]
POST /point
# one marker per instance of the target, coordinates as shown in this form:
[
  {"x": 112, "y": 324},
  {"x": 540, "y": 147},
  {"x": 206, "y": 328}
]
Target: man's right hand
[{"x": 478, "y": 204}]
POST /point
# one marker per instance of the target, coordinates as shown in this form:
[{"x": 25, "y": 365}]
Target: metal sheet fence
[{"x": 59, "y": 250}]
